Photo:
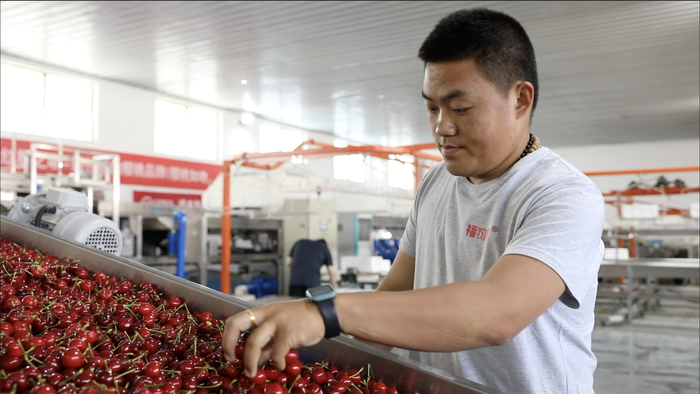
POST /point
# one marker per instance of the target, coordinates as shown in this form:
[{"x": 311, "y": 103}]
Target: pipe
[
  {"x": 643, "y": 171},
  {"x": 41, "y": 212},
  {"x": 181, "y": 242}
]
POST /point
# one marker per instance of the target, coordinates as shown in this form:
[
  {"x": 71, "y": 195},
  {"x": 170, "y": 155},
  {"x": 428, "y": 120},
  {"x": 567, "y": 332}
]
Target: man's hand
[
  {"x": 333, "y": 275},
  {"x": 280, "y": 327}
]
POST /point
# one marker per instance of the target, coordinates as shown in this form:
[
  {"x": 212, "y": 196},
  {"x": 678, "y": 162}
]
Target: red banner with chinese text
[
  {"x": 188, "y": 200},
  {"x": 135, "y": 169}
]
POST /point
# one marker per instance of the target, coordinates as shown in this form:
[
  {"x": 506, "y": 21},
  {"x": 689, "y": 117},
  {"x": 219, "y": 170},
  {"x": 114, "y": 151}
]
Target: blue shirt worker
[{"x": 306, "y": 259}]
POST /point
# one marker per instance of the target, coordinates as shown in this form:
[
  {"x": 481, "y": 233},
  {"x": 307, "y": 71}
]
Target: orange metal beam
[
  {"x": 328, "y": 150},
  {"x": 655, "y": 191},
  {"x": 644, "y": 171},
  {"x": 225, "y": 277}
]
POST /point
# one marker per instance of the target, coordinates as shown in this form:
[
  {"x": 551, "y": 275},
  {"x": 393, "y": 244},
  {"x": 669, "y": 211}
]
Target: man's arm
[
  {"x": 456, "y": 316},
  {"x": 451, "y": 317},
  {"x": 400, "y": 276},
  {"x": 289, "y": 261},
  {"x": 333, "y": 274}
]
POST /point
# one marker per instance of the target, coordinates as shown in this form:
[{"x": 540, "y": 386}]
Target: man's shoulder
[{"x": 549, "y": 169}]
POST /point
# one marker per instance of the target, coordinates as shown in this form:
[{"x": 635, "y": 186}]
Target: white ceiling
[{"x": 610, "y": 72}]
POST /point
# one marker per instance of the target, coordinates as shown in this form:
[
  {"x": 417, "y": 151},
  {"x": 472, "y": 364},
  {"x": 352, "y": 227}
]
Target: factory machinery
[
  {"x": 341, "y": 351},
  {"x": 256, "y": 244}
]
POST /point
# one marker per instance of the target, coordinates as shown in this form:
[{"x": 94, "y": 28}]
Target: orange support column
[
  {"x": 225, "y": 277},
  {"x": 416, "y": 167},
  {"x": 633, "y": 243}
]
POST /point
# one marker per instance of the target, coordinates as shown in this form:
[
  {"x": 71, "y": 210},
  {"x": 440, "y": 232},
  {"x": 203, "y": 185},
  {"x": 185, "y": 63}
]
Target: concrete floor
[{"x": 656, "y": 354}]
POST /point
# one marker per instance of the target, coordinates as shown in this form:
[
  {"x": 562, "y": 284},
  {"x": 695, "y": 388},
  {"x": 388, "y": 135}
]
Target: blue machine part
[
  {"x": 260, "y": 286},
  {"x": 386, "y": 248},
  {"x": 180, "y": 244}
]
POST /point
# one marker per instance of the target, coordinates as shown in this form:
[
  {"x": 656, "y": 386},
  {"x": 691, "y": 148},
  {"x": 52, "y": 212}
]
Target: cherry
[
  {"x": 275, "y": 388},
  {"x": 293, "y": 368},
  {"x": 72, "y": 358},
  {"x": 43, "y": 388},
  {"x": 6, "y": 329},
  {"x": 292, "y": 356},
  {"x": 10, "y": 363},
  {"x": 88, "y": 333},
  {"x": 318, "y": 375},
  {"x": 83, "y": 378},
  {"x": 153, "y": 369},
  {"x": 14, "y": 349},
  {"x": 259, "y": 377},
  {"x": 271, "y": 371}
]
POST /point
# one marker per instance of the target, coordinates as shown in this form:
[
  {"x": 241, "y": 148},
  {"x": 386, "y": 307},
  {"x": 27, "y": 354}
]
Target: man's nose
[{"x": 444, "y": 125}]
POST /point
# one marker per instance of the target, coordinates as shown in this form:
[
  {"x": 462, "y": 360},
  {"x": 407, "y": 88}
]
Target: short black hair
[
  {"x": 496, "y": 42},
  {"x": 322, "y": 241}
]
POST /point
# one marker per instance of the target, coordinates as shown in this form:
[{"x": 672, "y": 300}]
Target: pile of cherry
[{"x": 66, "y": 330}]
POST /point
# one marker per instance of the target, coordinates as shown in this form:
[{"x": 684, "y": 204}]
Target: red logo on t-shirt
[{"x": 477, "y": 232}]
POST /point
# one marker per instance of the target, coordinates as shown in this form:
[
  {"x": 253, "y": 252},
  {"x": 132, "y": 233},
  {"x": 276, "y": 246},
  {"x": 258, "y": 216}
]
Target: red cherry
[
  {"x": 10, "y": 363},
  {"x": 271, "y": 371},
  {"x": 292, "y": 356},
  {"x": 274, "y": 388},
  {"x": 318, "y": 375},
  {"x": 259, "y": 377},
  {"x": 43, "y": 388},
  {"x": 14, "y": 349},
  {"x": 153, "y": 369},
  {"x": 293, "y": 369},
  {"x": 6, "y": 329},
  {"x": 72, "y": 358}
]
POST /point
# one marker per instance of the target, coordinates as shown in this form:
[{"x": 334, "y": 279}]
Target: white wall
[
  {"x": 634, "y": 156},
  {"x": 640, "y": 156}
]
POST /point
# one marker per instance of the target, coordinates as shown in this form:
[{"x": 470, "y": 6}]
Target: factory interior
[{"x": 205, "y": 138}]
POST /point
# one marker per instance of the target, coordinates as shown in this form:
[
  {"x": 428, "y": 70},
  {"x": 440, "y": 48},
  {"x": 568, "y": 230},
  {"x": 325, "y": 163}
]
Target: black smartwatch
[{"x": 324, "y": 296}]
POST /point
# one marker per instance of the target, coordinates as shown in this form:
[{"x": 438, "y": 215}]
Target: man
[
  {"x": 306, "y": 259},
  {"x": 496, "y": 277}
]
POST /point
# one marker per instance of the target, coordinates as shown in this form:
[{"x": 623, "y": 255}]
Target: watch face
[{"x": 320, "y": 290}]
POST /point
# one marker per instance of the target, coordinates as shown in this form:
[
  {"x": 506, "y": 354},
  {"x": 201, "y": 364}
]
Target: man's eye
[
  {"x": 460, "y": 110},
  {"x": 432, "y": 110}
]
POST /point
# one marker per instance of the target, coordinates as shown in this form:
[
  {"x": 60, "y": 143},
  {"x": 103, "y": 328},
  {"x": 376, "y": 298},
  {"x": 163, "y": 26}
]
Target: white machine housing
[{"x": 64, "y": 212}]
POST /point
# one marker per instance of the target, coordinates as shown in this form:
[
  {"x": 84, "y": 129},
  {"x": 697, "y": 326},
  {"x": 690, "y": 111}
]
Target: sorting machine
[{"x": 341, "y": 351}]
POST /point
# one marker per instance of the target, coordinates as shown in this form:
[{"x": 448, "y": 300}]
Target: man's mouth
[{"x": 449, "y": 149}]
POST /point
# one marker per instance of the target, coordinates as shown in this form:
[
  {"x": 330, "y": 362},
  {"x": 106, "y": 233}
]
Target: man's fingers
[
  {"x": 265, "y": 353},
  {"x": 255, "y": 342},
  {"x": 280, "y": 348},
  {"x": 235, "y": 325},
  {"x": 230, "y": 338}
]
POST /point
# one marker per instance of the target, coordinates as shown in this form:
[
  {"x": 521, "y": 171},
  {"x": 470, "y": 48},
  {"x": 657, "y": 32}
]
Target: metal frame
[
  {"x": 310, "y": 149},
  {"x": 97, "y": 159}
]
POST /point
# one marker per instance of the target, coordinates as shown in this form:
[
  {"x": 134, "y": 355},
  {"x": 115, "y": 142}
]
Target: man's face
[{"x": 477, "y": 129}]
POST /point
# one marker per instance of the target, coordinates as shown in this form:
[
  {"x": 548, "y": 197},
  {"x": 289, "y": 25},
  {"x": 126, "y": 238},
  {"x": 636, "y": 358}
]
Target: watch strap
[{"x": 330, "y": 317}]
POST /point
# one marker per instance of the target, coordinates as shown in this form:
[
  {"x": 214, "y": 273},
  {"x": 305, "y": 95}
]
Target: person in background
[
  {"x": 306, "y": 259},
  {"x": 496, "y": 276}
]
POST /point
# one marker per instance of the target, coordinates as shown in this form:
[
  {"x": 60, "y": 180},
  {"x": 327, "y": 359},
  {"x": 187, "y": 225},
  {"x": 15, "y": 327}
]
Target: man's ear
[{"x": 525, "y": 96}]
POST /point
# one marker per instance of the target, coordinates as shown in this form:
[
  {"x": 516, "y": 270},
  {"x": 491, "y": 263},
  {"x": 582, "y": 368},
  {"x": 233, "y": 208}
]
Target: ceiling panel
[{"x": 610, "y": 72}]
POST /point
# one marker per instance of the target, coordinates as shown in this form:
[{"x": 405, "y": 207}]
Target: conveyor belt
[{"x": 342, "y": 351}]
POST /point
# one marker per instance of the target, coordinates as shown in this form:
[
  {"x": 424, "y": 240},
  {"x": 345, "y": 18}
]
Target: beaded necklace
[{"x": 532, "y": 146}]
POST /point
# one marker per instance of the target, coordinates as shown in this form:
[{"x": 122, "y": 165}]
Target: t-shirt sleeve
[
  {"x": 408, "y": 240},
  {"x": 327, "y": 257},
  {"x": 562, "y": 228}
]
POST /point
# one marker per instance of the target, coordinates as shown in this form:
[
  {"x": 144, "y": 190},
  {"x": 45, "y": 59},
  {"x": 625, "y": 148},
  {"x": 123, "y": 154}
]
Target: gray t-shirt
[{"x": 544, "y": 208}]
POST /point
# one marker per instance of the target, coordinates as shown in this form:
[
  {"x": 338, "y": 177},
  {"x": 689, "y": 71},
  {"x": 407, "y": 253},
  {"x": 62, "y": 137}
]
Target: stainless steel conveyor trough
[{"x": 342, "y": 351}]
